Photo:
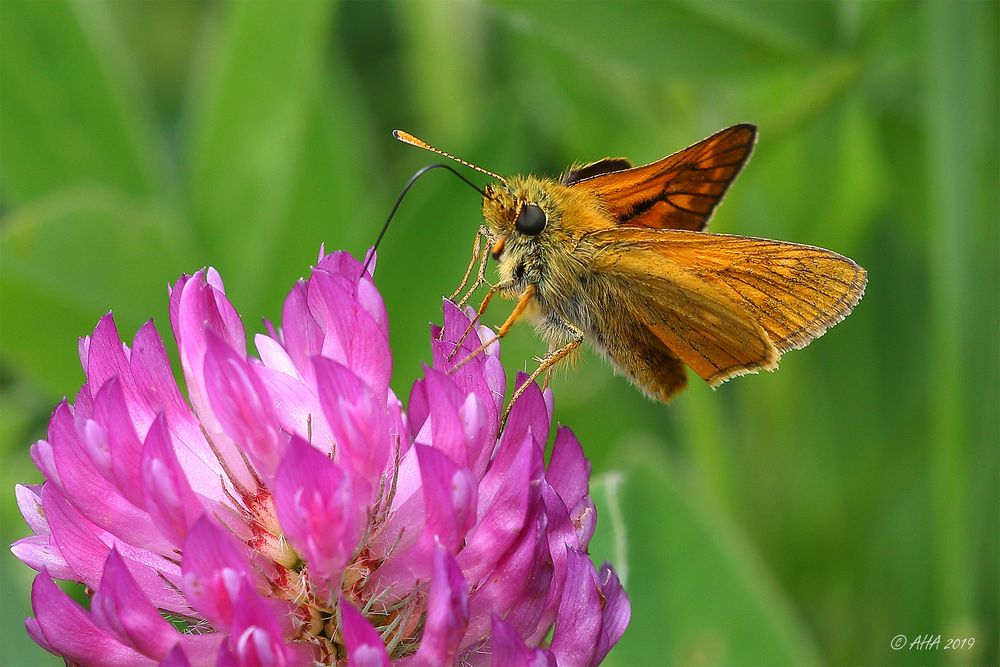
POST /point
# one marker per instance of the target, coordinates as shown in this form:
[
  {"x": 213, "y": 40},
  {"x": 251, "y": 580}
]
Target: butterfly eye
[{"x": 531, "y": 220}]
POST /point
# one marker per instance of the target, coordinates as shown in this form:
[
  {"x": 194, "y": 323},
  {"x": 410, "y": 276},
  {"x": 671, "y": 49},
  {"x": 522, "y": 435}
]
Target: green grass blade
[
  {"x": 698, "y": 593},
  {"x": 248, "y": 121}
]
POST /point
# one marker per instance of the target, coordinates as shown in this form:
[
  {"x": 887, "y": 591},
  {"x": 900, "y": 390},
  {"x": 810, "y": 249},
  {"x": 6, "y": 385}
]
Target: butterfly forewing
[
  {"x": 680, "y": 191},
  {"x": 702, "y": 327},
  {"x": 791, "y": 293}
]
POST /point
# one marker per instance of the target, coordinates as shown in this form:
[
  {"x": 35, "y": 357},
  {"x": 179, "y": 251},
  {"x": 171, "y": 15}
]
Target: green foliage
[{"x": 797, "y": 518}]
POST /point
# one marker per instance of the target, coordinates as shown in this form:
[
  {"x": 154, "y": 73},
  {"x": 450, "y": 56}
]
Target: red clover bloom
[{"x": 292, "y": 512}]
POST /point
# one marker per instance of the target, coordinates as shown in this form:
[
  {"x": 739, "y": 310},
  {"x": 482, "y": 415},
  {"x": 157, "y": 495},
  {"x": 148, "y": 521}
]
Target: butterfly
[{"x": 617, "y": 256}]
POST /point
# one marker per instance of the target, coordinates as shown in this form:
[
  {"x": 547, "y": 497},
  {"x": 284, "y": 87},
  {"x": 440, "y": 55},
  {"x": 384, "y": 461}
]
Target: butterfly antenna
[
  {"x": 408, "y": 138},
  {"x": 399, "y": 200}
]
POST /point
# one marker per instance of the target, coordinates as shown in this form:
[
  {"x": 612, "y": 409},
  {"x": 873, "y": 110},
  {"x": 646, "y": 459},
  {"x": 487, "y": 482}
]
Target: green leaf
[
  {"x": 67, "y": 260},
  {"x": 953, "y": 104},
  {"x": 67, "y": 114},
  {"x": 250, "y": 117},
  {"x": 444, "y": 70},
  {"x": 682, "y": 39},
  {"x": 699, "y": 595},
  {"x": 336, "y": 198}
]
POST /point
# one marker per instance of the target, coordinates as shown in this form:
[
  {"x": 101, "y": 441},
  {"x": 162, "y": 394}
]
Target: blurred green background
[{"x": 804, "y": 517}]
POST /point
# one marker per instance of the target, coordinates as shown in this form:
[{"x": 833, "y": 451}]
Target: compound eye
[{"x": 531, "y": 220}]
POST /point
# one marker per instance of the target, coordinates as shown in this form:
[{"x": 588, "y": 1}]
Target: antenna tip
[{"x": 407, "y": 138}]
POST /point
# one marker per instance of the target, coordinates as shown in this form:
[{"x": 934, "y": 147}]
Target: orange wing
[
  {"x": 728, "y": 305},
  {"x": 581, "y": 172},
  {"x": 681, "y": 190}
]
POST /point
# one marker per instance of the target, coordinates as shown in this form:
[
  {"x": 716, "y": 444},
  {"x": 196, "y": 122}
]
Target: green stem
[{"x": 949, "y": 198}]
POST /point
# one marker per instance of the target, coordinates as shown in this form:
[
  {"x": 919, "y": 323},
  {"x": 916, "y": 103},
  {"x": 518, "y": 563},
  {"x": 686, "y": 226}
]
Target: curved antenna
[
  {"x": 408, "y": 138},
  {"x": 399, "y": 200}
]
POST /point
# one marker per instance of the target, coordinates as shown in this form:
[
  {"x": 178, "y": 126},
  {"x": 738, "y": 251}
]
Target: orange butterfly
[{"x": 616, "y": 255}]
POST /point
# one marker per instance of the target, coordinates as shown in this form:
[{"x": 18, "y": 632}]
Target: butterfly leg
[
  {"x": 545, "y": 365},
  {"x": 480, "y": 235},
  {"x": 515, "y": 315},
  {"x": 481, "y": 276},
  {"x": 475, "y": 320}
]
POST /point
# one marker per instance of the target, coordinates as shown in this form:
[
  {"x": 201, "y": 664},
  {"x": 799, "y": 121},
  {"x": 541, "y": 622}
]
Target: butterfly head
[
  {"x": 519, "y": 212},
  {"x": 524, "y": 213}
]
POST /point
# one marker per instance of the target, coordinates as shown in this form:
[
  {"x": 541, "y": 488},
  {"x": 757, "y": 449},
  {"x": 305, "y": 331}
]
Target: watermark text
[{"x": 931, "y": 642}]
